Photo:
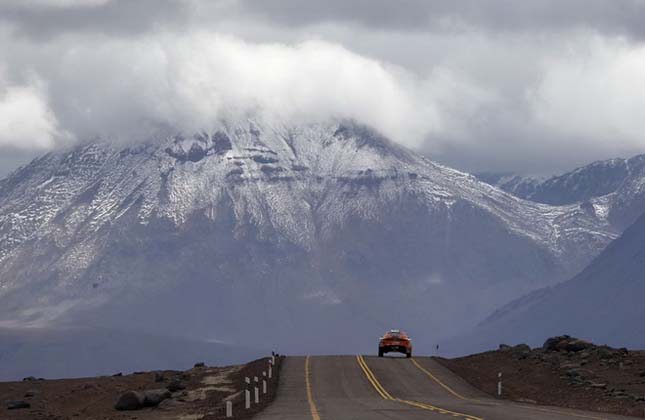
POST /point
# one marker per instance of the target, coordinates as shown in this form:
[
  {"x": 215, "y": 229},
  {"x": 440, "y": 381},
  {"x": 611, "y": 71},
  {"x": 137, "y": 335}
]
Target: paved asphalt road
[{"x": 373, "y": 388}]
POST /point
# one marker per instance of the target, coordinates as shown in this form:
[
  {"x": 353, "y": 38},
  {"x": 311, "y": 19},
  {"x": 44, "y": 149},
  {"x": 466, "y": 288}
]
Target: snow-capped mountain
[
  {"x": 582, "y": 184},
  {"x": 603, "y": 303},
  {"x": 256, "y": 231},
  {"x": 520, "y": 186},
  {"x": 614, "y": 186}
]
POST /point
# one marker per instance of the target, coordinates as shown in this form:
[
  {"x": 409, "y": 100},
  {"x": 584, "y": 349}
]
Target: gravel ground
[
  {"x": 204, "y": 391},
  {"x": 566, "y": 372}
]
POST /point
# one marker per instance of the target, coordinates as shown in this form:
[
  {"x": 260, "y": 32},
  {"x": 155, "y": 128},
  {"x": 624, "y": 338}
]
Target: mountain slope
[
  {"x": 520, "y": 186},
  {"x": 602, "y": 303},
  {"x": 258, "y": 230}
]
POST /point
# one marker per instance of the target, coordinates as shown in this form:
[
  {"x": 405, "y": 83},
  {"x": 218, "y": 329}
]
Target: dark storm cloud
[
  {"x": 615, "y": 16},
  {"x": 111, "y": 17},
  {"x": 124, "y": 17}
]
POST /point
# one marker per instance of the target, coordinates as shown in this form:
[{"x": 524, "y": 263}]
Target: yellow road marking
[
  {"x": 370, "y": 377},
  {"x": 310, "y": 399},
  {"x": 444, "y": 386},
  {"x": 387, "y": 396},
  {"x": 456, "y": 394}
]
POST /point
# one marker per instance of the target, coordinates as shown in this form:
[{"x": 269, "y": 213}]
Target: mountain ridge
[
  {"x": 614, "y": 186},
  {"x": 600, "y": 303}
]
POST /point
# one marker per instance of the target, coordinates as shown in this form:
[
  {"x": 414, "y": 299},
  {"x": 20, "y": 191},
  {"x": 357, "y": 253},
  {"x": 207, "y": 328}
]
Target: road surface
[{"x": 392, "y": 388}]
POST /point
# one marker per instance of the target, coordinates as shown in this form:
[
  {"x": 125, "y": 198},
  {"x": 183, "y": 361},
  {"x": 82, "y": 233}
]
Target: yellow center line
[
  {"x": 370, "y": 377},
  {"x": 310, "y": 399},
  {"x": 456, "y": 394},
  {"x": 387, "y": 396}
]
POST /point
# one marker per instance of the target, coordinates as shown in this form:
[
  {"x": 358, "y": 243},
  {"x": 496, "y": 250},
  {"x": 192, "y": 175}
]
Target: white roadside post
[
  {"x": 257, "y": 390},
  {"x": 264, "y": 382},
  {"x": 229, "y": 408},
  {"x": 247, "y": 393},
  {"x": 499, "y": 384},
  {"x": 270, "y": 369}
]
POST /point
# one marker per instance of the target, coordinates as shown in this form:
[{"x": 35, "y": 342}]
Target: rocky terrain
[
  {"x": 565, "y": 372},
  {"x": 197, "y": 393}
]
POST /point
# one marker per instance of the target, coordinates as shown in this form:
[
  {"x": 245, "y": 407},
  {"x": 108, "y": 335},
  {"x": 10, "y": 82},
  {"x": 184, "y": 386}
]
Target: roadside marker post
[
  {"x": 264, "y": 382},
  {"x": 499, "y": 384},
  {"x": 229, "y": 408},
  {"x": 270, "y": 370},
  {"x": 257, "y": 390},
  {"x": 247, "y": 393}
]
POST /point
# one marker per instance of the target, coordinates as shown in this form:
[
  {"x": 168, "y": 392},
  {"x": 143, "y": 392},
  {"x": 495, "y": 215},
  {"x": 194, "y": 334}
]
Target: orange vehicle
[{"x": 395, "y": 341}]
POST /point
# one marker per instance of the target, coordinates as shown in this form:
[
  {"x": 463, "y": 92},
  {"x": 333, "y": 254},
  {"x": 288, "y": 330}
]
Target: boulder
[
  {"x": 153, "y": 397},
  {"x": 131, "y": 400},
  {"x": 566, "y": 343},
  {"x": 522, "y": 349},
  {"x": 136, "y": 400},
  {"x": 175, "y": 386},
  {"x": 575, "y": 345}
]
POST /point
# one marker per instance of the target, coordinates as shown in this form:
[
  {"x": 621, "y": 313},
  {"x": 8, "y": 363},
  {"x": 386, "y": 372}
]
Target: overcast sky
[{"x": 499, "y": 85}]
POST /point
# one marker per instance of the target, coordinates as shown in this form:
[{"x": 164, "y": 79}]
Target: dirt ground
[
  {"x": 206, "y": 389},
  {"x": 580, "y": 375}
]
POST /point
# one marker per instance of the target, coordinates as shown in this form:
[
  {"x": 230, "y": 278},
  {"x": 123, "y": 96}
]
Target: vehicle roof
[{"x": 398, "y": 332}]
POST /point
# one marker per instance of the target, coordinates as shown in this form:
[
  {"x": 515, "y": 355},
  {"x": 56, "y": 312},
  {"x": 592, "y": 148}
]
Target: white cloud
[
  {"x": 595, "y": 94},
  {"x": 126, "y": 88},
  {"x": 215, "y": 75},
  {"x": 26, "y": 122}
]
